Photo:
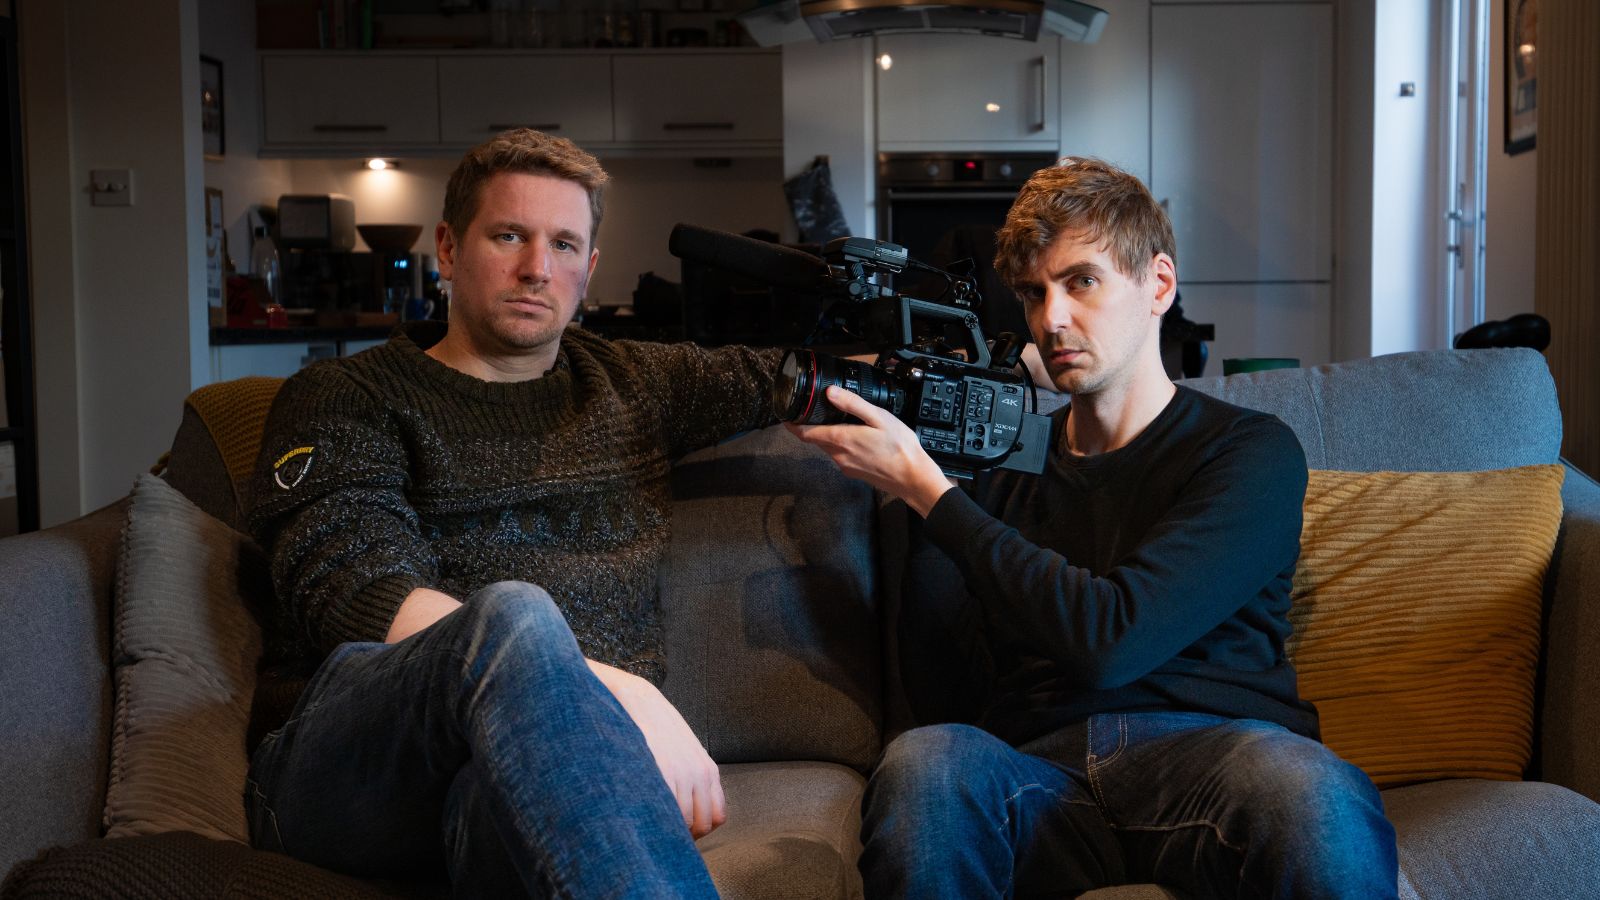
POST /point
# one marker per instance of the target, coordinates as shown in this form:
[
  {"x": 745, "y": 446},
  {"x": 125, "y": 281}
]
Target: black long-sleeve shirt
[{"x": 1152, "y": 577}]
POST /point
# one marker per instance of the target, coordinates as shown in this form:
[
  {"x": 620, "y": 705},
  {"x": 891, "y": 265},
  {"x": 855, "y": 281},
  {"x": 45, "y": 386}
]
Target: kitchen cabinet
[
  {"x": 1241, "y": 138},
  {"x": 274, "y": 360},
  {"x": 960, "y": 92},
  {"x": 567, "y": 95},
  {"x": 726, "y": 102},
  {"x": 1241, "y": 154},
  {"x": 669, "y": 98},
  {"x": 365, "y": 100}
]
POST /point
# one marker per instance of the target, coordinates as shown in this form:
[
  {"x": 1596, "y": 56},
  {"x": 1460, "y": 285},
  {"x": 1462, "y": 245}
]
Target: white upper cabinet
[
  {"x": 1241, "y": 138},
  {"x": 676, "y": 102},
  {"x": 960, "y": 92},
  {"x": 362, "y": 100},
  {"x": 669, "y": 98},
  {"x": 568, "y": 95}
]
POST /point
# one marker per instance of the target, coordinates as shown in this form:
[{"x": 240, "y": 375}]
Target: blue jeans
[
  {"x": 1211, "y": 806},
  {"x": 482, "y": 748}
]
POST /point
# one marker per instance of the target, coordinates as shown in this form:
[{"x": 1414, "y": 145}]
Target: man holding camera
[
  {"x": 1129, "y": 610},
  {"x": 466, "y": 522}
]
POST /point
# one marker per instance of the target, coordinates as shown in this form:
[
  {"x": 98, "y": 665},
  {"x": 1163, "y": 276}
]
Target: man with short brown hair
[
  {"x": 466, "y": 522},
  {"x": 1130, "y": 605}
]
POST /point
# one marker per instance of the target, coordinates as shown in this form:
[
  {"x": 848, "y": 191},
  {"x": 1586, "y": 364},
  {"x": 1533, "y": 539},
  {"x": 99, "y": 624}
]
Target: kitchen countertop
[{"x": 221, "y": 336}]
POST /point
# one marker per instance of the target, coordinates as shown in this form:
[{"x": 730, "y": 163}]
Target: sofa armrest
[
  {"x": 55, "y": 706},
  {"x": 1569, "y": 709}
]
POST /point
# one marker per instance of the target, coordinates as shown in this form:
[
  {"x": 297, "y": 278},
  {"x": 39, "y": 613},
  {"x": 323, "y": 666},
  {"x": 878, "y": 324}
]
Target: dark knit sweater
[
  {"x": 421, "y": 476},
  {"x": 1152, "y": 577}
]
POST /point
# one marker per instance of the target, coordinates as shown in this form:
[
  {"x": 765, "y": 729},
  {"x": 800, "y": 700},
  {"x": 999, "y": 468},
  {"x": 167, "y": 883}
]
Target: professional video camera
[{"x": 934, "y": 371}]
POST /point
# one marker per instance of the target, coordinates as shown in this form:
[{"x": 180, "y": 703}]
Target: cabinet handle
[
  {"x": 698, "y": 126},
  {"x": 537, "y": 126},
  {"x": 350, "y": 129},
  {"x": 1044, "y": 93}
]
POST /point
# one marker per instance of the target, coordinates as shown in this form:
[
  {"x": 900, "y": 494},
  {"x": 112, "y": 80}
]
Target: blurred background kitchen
[{"x": 157, "y": 144}]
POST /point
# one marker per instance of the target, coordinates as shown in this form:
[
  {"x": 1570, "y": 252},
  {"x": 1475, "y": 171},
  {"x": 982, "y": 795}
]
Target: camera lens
[{"x": 799, "y": 390}]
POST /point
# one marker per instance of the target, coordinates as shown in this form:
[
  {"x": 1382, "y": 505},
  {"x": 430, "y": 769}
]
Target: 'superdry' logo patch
[{"x": 291, "y": 468}]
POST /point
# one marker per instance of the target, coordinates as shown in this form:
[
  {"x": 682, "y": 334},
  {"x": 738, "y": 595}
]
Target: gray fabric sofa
[{"x": 781, "y": 606}]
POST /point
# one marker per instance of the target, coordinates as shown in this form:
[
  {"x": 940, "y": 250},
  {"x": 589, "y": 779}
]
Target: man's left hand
[{"x": 881, "y": 451}]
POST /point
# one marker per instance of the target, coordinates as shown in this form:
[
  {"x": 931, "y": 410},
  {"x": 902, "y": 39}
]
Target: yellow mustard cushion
[{"x": 1416, "y": 617}]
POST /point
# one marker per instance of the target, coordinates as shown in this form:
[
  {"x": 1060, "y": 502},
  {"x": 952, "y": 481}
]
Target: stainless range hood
[{"x": 791, "y": 21}]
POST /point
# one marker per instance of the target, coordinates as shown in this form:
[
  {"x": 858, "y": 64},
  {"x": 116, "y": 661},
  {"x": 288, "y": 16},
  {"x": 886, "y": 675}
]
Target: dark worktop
[{"x": 298, "y": 334}]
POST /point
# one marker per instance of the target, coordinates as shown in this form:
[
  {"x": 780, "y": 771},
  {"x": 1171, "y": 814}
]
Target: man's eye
[
  {"x": 1084, "y": 282},
  {"x": 562, "y": 245},
  {"x": 508, "y": 237}
]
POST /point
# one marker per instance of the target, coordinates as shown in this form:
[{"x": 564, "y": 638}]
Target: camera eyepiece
[{"x": 799, "y": 389}]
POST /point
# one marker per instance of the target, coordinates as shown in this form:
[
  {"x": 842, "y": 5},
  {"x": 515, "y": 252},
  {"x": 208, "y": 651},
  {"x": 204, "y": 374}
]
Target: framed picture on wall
[
  {"x": 1522, "y": 81},
  {"x": 211, "y": 121}
]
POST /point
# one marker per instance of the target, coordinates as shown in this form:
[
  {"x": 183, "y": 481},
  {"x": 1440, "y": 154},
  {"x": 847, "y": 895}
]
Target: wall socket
[{"x": 111, "y": 187}]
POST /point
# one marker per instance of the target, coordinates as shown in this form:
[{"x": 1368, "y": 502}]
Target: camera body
[{"x": 934, "y": 370}]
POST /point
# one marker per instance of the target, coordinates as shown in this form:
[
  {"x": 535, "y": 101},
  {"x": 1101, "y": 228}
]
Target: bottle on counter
[{"x": 264, "y": 263}]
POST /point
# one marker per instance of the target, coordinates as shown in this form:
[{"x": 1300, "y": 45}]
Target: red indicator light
[{"x": 970, "y": 164}]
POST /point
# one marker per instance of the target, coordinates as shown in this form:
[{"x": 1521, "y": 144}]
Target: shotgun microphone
[{"x": 763, "y": 261}]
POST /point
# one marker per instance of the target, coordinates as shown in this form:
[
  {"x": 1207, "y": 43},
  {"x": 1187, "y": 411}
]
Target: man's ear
[
  {"x": 1163, "y": 278},
  {"x": 444, "y": 243},
  {"x": 594, "y": 257}
]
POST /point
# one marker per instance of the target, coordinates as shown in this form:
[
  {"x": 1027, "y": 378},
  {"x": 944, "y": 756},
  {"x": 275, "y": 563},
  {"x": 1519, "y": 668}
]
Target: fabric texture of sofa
[{"x": 781, "y": 602}]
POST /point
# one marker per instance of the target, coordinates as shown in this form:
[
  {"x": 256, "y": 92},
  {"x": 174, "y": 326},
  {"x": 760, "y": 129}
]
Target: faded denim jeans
[
  {"x": 1209, "y": 806},
  {"x": 482, "y": 748}
]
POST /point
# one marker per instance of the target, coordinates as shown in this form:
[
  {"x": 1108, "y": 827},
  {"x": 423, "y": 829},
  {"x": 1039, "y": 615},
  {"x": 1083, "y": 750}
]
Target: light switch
[{"x": 111, "y": 187}]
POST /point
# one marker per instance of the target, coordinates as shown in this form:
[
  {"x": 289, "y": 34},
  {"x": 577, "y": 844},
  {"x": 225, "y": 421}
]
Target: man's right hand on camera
[{"x": 881, "y": 451}]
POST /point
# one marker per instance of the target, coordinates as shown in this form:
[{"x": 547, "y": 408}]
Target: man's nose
[
  {"x": 534, "y": 263},
  {"x": 1054, "y": 310}
]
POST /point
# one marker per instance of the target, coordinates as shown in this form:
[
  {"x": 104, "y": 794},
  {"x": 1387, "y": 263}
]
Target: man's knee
[
  {"x": 513, "y": 612},
  {"x": 1299, "y": 785},
  {"x": 936, "y": 763}
]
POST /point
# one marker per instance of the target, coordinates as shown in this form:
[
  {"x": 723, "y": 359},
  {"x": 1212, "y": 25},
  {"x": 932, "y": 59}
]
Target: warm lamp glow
[
  {"x": 885, "y": 61},
  {"x": 378, "y": 165}
]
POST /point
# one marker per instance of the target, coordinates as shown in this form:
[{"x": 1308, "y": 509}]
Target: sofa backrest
[
  {"x": 1428, "y": 411},
  {"x": 770, "y": 601}
]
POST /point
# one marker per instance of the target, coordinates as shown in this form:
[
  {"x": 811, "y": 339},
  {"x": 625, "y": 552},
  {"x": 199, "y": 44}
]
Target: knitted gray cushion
[
  {"x": 769, "y": 603},
  {"x": 793, "y": 830},
  {"x": 184, "y": 653},
  {"x": 1471, "y": 838}
]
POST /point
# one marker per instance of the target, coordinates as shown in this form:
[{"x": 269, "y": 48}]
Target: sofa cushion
[
  {"x": 184, "y": 652},
  {"x": 1416, "y": 617},
  {"x": 769, "y": 603},
  {"x": 793, "y": 831},
  {"x": 55, "y": 707},
  {"x": 214, "y": 451},
  {"x": 1471, "y": 838}
]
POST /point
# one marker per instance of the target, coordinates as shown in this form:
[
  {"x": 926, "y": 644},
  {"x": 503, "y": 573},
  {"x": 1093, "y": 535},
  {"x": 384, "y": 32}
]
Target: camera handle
[{"x": 911, "y": 308}]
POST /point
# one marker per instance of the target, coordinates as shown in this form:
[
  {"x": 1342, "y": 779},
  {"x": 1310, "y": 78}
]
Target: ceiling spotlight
[
  {"x": 377, "y": 164},
  {"x": 991, "y": 107},
  {"x": 885, "y": 61}
]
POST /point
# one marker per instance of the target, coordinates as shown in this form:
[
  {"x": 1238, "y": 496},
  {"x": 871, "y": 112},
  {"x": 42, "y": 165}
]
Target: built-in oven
[{"x": 945, "y": 208}]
